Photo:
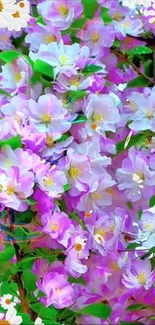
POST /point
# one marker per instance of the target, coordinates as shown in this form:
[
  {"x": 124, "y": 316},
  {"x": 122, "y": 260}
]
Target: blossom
[
  {"x": 21, "y": 16},
  {"x": 6, "y": 301},
  {"x": 38, "y": 321},
  {"x": 139, "y": 275},
  {"x": 48, "y": 115},
  {"x": 15, "y": 76},
  {"x": 58, "y": 291},
  {"x": 7, "y": 7},
  {"x": 60, "y": 14},
  {"x": 135, "y": 177},
  {"x": 62, "y": 57},
  {"x": 102, "y": 114},
  {"x": 10, "y": 317}
]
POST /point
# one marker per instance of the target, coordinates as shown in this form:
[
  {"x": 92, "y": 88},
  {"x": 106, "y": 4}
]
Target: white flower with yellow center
[
  {"x": 38, "y": 321},
  {"x": 7, "y": 301},
  {"x": 7, "y": 8},
  {"x": 10, "y": 318},
  {"x": 20, "y": 17}
]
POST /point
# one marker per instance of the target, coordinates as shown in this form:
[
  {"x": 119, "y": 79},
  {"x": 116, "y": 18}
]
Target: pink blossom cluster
[{"x": 79, "y": 169}]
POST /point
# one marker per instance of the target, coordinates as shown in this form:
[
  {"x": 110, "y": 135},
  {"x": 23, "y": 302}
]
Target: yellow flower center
[
  {"x": 74, "y": 172},
  {"x": 4, "y": 37},
  {"x": 16, "y": 15},
  {"x": 114, "y": 266},
  {"x": 45, "y": 118},
  {"x": 149, "y": 114},
  {"x": 88, "y": 214},
  {"x": 18, "y": 76},
  {"x": 96, "y": 196},
  {"x": 1, "y": 6},
  {"x": 100, "y": 231},
  {"x": 117, "y": 15},
  {"x": 75, "y": 81},
  {"x": 8, "y": 301},
  {"x": 64, "y": 59},
  {"x": 141, "y": 278},
  {"x": 49, "y": 141},
  {"x": 63, "y": 10},
  {"x": 10, "y": 190},
  {"x": 58, "y": 290},
  {"x": 138, "y": 177},
  {"x": 21, "y": 4},
  {"x": 49, "y": 38},
  {"x": 97, "y": 118},
  {"x": 95, "y": 37},
  {"x": 94, "y": 126},
  {"x": 48, "y": 181},
  {"x": 4, "y": 322},
  {"x": 55, "y": 226},
  {"x": 78, "y": 247}
]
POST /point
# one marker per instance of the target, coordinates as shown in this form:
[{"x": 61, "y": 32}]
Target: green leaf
[
  {"x": 8, "y": 287},
  {"x": 138, "y": 307},
  {"x": 44, "y": 68},
  {"x": 40, "y": 21},
  {"x": 105, "y": 16},
  {"x": 9, "y": 56},
  {"x": 97, "y": 310},
  {"x": 7, "y": 254},
  {"x": 89, "y": 8},
  {"x": 152, "y": 201},
  {"x": 91, "y": 68},
  {"x": 132, "y": 246},
  {"x": 13, "y": 142},
  {"x": 148, "y": 68},
  {"x": 26, "y": 320},
  {"x": 29, "y": 280},
  {"x": 66, "y": 187},
  {"x": 141, "y": 49},
  {"x": 75, "y": 94},
  {"x": 78, "y": 280},
  {"x": 131, "y": 323},
  {"x": 74, "y": 216},
  {"x": 140, "y": 212},
  {"x": 138, "y": 82},
  {"x": 64, "y": 137},
  {"x": 2, "y": 92},
  {"x": 31, "y": 202},
  {"x": 44, "y": 312},
  {"x": 80, "y": 119},
  {"x": 46, "y": 253},
  {"x": 23, "y": 217},
  {"x": 78, "y": 23},
  {"x": 134, "y": 140}
]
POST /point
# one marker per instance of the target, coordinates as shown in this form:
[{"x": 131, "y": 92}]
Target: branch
[{"x": 124, "y": 57}]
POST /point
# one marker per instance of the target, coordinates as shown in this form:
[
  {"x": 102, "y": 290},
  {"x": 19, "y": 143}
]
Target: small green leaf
[
  {"x": 80, "y": 119},
  {"x": 152, "y": 201},
  {"x": 131, "y": 323},
  {"x": 138, "y": 82},
  {"x": 7, "y": 254},
  {"x": 26, "y": 320},
  {"x": 89, "y": 8},
  {"x": 29, "y": 280},
  {"x": 44, "y": 312},
  {"x": 91, "y": 68},
  {"x": 142, "y": 49},
  {"x": 97, "y": 310},
  {"x": 9, "y": 55},
  {"x": 105, "y": 16},
  {"x": 148, "y": 68},
  {"x": 134, "y": 140},
  {"x": 66, "y": 187},
  {"x": 73, "y": 95},
  {"x": 44, "y": 68},
  {"x": 13, "y": 142},
  {"x": 64, "y": 137},
  {"x": 40, "y": 21},
  {"x": 23, "y": 217},
  {"x": 132, "y": 246},
  {"x": 74, "y": 216},
  {"x": 78, "y": 23},
  {"x": 140, "y": 212},
  {"x": 31, "y": 202},
  {"x": 138, "y": 307},
  {"x": 78, "y": 280}
]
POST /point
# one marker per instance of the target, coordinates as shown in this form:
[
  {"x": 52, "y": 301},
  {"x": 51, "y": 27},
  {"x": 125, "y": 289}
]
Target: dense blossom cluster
[{"x": 77, "y": 163}]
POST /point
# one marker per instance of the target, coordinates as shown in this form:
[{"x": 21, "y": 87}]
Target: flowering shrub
[{"x": 77, "y": 162}]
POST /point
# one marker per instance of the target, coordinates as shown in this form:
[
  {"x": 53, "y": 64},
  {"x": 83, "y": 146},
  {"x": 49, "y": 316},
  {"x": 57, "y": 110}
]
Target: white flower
[
  {"x": 38, "y": 321},
  {"x": 6, "y": 301},
  {"x": 20, "y": 18},
  {"x": 11, "y": 318},
  {"x": 7, "y": 8}
]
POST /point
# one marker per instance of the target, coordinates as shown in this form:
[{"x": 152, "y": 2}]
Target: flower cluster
[{"x": 77, "y": 162}]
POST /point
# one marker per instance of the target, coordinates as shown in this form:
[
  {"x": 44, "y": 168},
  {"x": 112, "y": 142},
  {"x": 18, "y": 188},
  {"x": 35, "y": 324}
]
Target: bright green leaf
[
  {"x": 29, "y": 280},
  {"x": 97, "y": 310},
  {"x": 91, "y": 68},
  {"x": 73, "y": 95},
  {"x": 152, "y": 201},
  {"x": 142, "y": 49},
  {"x": 138, "y": 82},
  {"x": 89, "y": 8},
  {"x": 9, "y": 56},
  {"x": 80, "y": 119},
  {"x": 7, "y": 254},
  {"x": 64, "y": 137},
  {"x": 13, "y": 142},
  {"x": 138, "y": 307},
  {"x": 148, "y": 67},
  {"x": 105, "y": 16},
  {"x": 31, "y": 202},
  {"x": 44, "y": 312},
  {"x": 132, "y": 246},
  {"x": 44, "y": 68},
  {"x": 66, "y": 187}
]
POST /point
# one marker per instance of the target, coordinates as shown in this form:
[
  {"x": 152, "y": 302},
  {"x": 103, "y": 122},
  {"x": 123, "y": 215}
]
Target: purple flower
[
  {"x": 15, "y": 76},
  {"x": 65, "y": 82},
  {"x": 139, "y": 275},
  {"x": 58, "y": 226},
  {"x": 58, "y": 291},
  {"x": 60, "y": 13},
  {"x": 42, "y": 35},
  {"x": 135, "y": 177},
  {"x": 48, "y": 115}
]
